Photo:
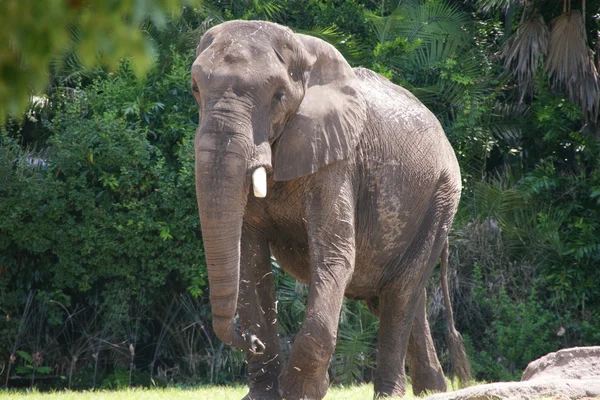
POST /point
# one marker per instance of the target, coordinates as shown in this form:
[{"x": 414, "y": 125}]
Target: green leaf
[
  {"x": 25, "y": 356},
  {"x": 24, "y": 369},
  {"x": 43, "y": 370}
]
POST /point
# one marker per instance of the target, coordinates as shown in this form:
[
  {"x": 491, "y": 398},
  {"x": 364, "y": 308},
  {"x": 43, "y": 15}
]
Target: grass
[
  {"x": 208, "y": 392},
  {"x": 358, "y": 392},
  {"x": 362, "y": 392}
]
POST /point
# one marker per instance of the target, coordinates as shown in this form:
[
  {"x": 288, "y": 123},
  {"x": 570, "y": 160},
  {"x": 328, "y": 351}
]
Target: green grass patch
[
  {"x": 361, "y": 392},
  {"x": 357, "y": 392}
]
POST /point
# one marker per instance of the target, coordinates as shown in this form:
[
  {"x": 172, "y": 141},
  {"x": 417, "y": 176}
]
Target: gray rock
[
  {"x": 574, "y": 363},
  {"x": 567, "y": 374}
]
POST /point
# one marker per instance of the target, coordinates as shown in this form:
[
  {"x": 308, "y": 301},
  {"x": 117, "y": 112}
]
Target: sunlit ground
[{"x": 364, "y": 392}]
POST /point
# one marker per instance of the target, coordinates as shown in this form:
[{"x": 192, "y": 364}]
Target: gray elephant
[{"x": 348, "y": 180}]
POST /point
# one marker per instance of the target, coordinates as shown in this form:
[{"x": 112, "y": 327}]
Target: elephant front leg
[
  {"x": 330, "y": 223},
  {"x": 258, "y": 316}
]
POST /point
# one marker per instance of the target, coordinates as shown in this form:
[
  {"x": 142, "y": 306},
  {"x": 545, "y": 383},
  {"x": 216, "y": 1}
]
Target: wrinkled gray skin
[{"x": 362, "y": 189}]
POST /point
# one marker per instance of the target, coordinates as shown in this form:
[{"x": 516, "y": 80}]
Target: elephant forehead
[
  {"x": 234, "y": 50},
  {"x": 250, "y": 31},
  {"x": 237, "y": 64}
]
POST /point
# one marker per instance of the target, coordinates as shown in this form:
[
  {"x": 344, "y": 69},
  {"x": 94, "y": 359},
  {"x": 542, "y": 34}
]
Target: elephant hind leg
[
  {"x": 424, "y": 367},
  {"x": 399, "y": 300},
  {"x": 396, "y": 310}
]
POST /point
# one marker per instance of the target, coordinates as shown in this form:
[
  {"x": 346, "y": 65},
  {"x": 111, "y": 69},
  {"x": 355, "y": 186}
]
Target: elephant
[{"x": 345, "y": 178}]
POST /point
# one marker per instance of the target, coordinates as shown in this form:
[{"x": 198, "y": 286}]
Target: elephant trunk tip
[
  {"x": 231, "y": 335},
  {"x": 224, "y": 329}
]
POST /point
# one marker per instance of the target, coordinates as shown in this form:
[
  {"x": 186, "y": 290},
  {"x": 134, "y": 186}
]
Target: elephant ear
[{"x": 327, "y": 125}]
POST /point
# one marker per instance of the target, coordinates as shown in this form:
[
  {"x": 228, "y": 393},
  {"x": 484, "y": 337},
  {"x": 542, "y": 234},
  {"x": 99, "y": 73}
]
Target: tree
[
  {"x": 560, "y": 48},
  {"x": 40, "y": 34}
]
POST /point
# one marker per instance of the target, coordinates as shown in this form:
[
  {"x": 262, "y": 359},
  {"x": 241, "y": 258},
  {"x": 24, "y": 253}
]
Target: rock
[
  {"x": 574, "y": 363},
  {"x": 567, "y": 374},
  {"x": 529, "y": 390}
]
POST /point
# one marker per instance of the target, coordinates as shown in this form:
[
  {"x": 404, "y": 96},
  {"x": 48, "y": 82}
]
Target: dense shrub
[
  {"x": 104, "y": 212},
  {"x": 526, "y": 246}
]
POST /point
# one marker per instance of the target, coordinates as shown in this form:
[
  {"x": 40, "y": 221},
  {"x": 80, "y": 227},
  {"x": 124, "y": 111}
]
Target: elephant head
[{"x": 270, "y": 101}]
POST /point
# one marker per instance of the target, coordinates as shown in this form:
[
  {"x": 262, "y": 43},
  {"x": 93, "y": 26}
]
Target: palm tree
[{"x": 561, "y": 49}]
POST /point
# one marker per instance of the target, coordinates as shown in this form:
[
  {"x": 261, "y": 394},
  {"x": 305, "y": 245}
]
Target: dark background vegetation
[{"x": 102, "y": 275}]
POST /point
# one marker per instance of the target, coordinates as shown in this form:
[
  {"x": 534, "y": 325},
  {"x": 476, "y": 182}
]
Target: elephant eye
[
  {"x": 279, "y": 95},
  {"x": 195, "y": 86}
]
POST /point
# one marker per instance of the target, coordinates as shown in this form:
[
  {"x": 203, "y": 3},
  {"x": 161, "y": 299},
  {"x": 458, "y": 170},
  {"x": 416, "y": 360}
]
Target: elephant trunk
[
  {"x": 223, "y": 183},
  {"x": 222, "y": 190}
]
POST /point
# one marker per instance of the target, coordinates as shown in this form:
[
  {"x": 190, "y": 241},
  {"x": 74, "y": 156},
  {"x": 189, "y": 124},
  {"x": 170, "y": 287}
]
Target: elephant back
[{"x": 403, "y": 131}]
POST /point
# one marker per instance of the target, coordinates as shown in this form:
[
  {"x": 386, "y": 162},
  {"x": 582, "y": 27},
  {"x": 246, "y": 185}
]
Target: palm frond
[
  {"x": 344, "y": 43},
  {"x": 386, "y": 28},
  {"x": 504, "y": 122},
  {"x": 568, "y": 50},
  {"x": 213, "y": 17},
  {"x": 68, "y": 65},
  {"x": 272, "y": 9},
  {"x": 291, "y": 297},
  {"x": 491, "y": 5},
  {"x": 355, "y": 350},
  {"x": 437, "y": 29},
  {"x": 447, "y": 78},
  {"x": 434, "y": 50},
  {"x": 494, "y": 200},
  {"x": 526, "y": 48},
  {"x": 588, "y": 92},
  {"x": 433, "y": 20},
  {"x": 570, "y": 63}
]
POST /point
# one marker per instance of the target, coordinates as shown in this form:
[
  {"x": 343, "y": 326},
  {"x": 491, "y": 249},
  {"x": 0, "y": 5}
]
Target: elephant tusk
[{"x": 259, "y": 182}]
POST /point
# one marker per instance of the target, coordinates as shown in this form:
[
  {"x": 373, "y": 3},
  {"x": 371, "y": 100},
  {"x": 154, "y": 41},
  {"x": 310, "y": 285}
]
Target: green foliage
[
  {"x": 122, "y": 378},
  {"x": 388, "y": 53},
  {"x": 31, "y": 365},
  {"x": 355, "y": 350},
  {"x": 104, "y": 212},
  {"x": 94, "y": 32},
  {"x": 291, "y": 302},
  {"x": 106, "y": 190},
  {"x": 346, "y": 15},
  {"x": 518, "y": 333},
  {"x": 117, "y": 380},
  {"x": 534, "y": 284}
]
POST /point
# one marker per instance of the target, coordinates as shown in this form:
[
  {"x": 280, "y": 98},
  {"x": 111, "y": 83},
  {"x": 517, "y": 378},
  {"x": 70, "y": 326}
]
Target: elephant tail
[{"x": 460, "y": 366}]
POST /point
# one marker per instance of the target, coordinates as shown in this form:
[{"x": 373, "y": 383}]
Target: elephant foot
[
  {"x": 263, "y": 395},
  {"x": 428, "y": 381},
  {"x": 390, "y": 386},
  {"x": 295, "y": 385},
  {"x": 389, "y": 393},
  {"x": 389, "y": 389}
]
